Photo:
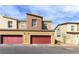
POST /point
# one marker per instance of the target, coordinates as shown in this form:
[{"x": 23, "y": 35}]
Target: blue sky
[{"x": 57, "y": 13}]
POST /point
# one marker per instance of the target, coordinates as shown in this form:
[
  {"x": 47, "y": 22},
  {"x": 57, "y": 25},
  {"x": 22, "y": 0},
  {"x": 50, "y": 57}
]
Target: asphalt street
[{"x": 12, "y": 49}]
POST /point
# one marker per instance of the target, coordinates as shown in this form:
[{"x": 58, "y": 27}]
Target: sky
[{"x": 56, "y": 13}]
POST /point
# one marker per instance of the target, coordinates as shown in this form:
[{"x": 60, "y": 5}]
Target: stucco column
[
  {"x": 52, "y": 39},
  {"x": 25, "y": 38}
]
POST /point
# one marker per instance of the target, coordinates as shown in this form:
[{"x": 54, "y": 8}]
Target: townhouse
[
  {"x": 33, "y": 30},
  {"x": 67, "y": 33}
]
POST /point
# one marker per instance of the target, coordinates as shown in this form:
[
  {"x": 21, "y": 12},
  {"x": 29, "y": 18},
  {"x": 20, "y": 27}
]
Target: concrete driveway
[{"x": 16, "y": 49}]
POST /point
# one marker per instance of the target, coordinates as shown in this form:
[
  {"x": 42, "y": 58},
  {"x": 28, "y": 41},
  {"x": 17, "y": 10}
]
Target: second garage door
[
  {"x": 40, "y": 39},
  {"x": 12, "y": 39}
]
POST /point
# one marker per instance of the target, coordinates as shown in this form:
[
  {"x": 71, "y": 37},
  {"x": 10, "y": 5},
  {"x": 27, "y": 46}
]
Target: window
[
  {"x": 72, "y": 28},
  {"x": 9, "y": 24},
  {"x": 45, "y": 25},
  {"x": 33, "y": 22},
  {"x": 23, "y": 25},
  {"x": 57, "y": 29},
  {"x": 58, "y": 35}
]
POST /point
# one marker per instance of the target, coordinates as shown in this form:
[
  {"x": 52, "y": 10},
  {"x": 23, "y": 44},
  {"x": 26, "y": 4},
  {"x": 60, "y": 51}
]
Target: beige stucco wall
[
  {"x": 70, "y": 40},
  {"x": 78, "y": 27},
  {"x": 73, "y": 39},
  {"x": 62, "y": 33},
  {"x": 4, "y": 23}
]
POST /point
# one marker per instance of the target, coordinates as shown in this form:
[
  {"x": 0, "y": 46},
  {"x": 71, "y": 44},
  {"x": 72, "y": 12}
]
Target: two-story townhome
[
  {"x": 39, "y": 30},
  {"x": 9, "y": 31},
  {"x": 33, "y": 30},
  {"x": 67, "y": 33}
]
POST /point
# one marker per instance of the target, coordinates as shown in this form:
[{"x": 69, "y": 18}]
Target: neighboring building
[
  {"x": 33, "y": 30},
  {"x": 67, "y": 33}
]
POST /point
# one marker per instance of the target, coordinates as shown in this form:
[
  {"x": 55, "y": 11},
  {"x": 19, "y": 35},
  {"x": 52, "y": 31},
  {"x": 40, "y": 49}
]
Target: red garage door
[
  {"x": 12, "y": 39},
  {"x": 40, "y": 39}
]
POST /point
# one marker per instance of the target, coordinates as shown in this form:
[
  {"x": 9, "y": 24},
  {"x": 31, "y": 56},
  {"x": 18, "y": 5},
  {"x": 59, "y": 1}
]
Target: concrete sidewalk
[{"x": 55, "y": 45}]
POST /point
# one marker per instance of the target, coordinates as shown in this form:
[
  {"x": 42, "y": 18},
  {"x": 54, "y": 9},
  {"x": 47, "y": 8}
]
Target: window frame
[
  {"x": 23, "y": 25},
  {"x": 72, "y": 28},
  {"x": 10, "y": 24},
  {"x": 34, "y": 22},
  {"x": 45, "y": 25},
  {"x": 58, "y": 35}
]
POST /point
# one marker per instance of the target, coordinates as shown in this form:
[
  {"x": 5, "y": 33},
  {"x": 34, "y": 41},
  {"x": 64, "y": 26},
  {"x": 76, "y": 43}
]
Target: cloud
[
  {"x": 72, "y": 8},
  {"x": 11, "y": 11},
  {"x": 57, "y": 13},
  {"x": 53, "y": 11}
]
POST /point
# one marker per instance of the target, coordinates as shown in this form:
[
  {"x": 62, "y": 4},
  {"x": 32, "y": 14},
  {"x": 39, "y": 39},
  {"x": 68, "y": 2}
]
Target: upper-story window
[
  {"x": 23, "y": 25},
  {"x": 45, "y": 26},
  {"x": 10, "y": 24},
  {"x": 33, "y": 22},
  {"x": 72, "y": 28}
]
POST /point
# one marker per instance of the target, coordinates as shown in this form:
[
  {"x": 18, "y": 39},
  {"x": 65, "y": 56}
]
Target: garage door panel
[
  {"x": 41, "y": 40},
  {"x": 12, "y": 39}
]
